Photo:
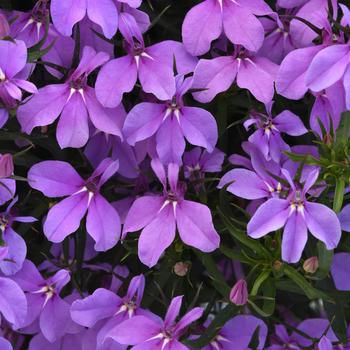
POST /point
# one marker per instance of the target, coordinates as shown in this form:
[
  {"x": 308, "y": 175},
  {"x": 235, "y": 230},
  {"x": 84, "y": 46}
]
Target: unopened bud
[
  {"x": 239, "y": 293},
  {"x": 277, "y": 265},
  {"x": 4, "y": 27},
  {"x": 328, "y": 140},
  {"x": 181, "y": 268},
  {"x": 311, "y": 264},
  {"x": 6, "y": 165}
]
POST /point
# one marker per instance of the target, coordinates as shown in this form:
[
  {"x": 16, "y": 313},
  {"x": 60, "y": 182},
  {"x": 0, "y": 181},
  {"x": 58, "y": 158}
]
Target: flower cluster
[{"x": 175, "y": 175}]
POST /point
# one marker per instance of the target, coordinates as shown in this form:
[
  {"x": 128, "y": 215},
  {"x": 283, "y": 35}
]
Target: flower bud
[
  {"x": 311, "y": 264},
  {"x": 6, "y": 165},
  {"x": 277, "y": 265},
  {"x": 4, "y": 26},
  {"x": 181, "y": 269},
  {"x": 239, "y": 293}
]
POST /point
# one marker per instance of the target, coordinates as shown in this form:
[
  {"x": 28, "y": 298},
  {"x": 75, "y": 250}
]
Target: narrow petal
[
  {"x": 269, "y": 217},
  {"x": 73, "y": 129},
  {"x": 294, "y": 238},
  {"x": 195, "y": 225},
  {"x": 245, "y": 184},
  {"x": 43, "y": 108},
  {"x": 188, "y": 318},
  {"x": 142, "y": 212},
  {"x": 202, "y": 25},
  {"x": 157, "y": 236},
  {"x": 214, "y": 76},
  {"x": 54, "y": 178},
  {"x": 199, "y": 127},
  {"x": 105, "y": 14},
  {"x": 327, "y": 67},
  {"x": 115, "y": 78},
  {"x": 100, "y": 305},
  {"x": 64, "y": 218},
  {"x": 289, "y": 123},
  {"x": 103, "y": 223},
  {"x": 7, "y": 190},
  {"x": 25, "y": 85},
  {"x": 323, "y": 223},
  {"x": 66, "y": 13},
  {"x": 173, "y": 311},
  {"x": 13, "y": 90},
  {"x": 28, "y": 278},
  {"x": 143, "y": 121},
  {"x": 242, "y": 27}
]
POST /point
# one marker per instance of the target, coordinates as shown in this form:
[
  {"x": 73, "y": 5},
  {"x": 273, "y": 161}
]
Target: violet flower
[
  {"x": 13, "y": 247},
  {"x": 267, "y": 137},
  {"x": 206, "y": 21},
  {"x": 152, "y": 65},
  {"x": 344, "y": 218},
  {"x": 171, "y": 122},
  {"x": 109, "y": 307},
  {"x": 154, "y": 333},
  {"x": 340, "y": 270},
  {"x": 75, "y": 101},
  {"x": 59, "y": 179},
  {"x": 44, "y": 301},
  {"x": 13, "y": 60},
  {"x": 159, "y": 215},
  {"x": 297, "y": 215},
  {"x": 237, "y": 334},
  {"x": 257, "y": 74}
]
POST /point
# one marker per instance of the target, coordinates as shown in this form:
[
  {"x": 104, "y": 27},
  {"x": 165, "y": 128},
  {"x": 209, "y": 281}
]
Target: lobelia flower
[
  {"x": 239, "y": 293},
  {"x": 44, "y": 301},
  {"x": 152, "y": 65},
  {"x": 344, "y": 218},
  {"x": 297, "y": 215},
  {"x": 75, "y": 101},
  {"x": 13, "y": 72},
  {"x": 13, "y": 247},
  {"x": 206, "y": 21},
  {"x": 257, "y": 74},
  {"x": 67, "y": 342},
  {"x": 104, "y": 13},
  {"x": 267, "y": 137},
  {"x": 171, "y": 122},
  {"x": 110, "y": 308},
  {"x": 154, "y": 333},
  {"x": 237, "y": 334},
  {"x": 59, "y": 179},
  {"x": 159, "y": 215},
  {"x": 340, "y": 270}
]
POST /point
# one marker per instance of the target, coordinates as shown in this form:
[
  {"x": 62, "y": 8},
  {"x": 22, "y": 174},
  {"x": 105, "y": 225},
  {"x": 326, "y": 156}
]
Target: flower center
[
  {"x": 3, "y": 222},
  {"x": 2, "y": 76},
  {"x": 297, "y": 202}
]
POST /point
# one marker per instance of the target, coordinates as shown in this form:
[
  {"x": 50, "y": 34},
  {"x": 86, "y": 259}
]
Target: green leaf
[
  {"x": 336, "y": 315},
  {"x": 234, "y": 255},
  {"x": 325, "y": 258},
  {"x": 306, "y": 287},
  {"x": 338, "y": 194},
  {"x": 35, "y": 55},
  {"x": 264, "y": 275},
  {"x": 221, "y": 318},
  {"x": 343, "y": 130}
]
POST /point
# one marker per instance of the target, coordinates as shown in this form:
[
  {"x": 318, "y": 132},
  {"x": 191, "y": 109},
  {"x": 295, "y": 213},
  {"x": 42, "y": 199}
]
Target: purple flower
[
  {"x": 340, "y": 270},
  {"x": 13, "y": 247},
  {"x": 297, "y": 215},
  {"x": 154, "y": 333},
  {"x": 59, "y": 179},
  {"x": 344, "y": 218},
  {"x": 67, "y": 342},
  {"x": 267, "y": 137},
  {"x": 237, "y": 334},
  {"x": 159, "y": 215},
  {"x": 104, "y": 13},
  {"x": 206, "y": 21},
  {"x": 44, "y": 301},
  {"x": 107, "y": 306},
  {"x": 172, "y": 122},
  {"x": 75, "y": 101},
  {"x": 13, "y": 74},
  {"x": 4, "y": 26},
  {"x": 152, "y": 65},
  {"x": 257, "y": 74}
]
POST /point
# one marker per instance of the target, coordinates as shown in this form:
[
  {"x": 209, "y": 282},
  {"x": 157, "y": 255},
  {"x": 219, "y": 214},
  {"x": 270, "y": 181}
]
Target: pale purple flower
[
  {"x": 104, "y": 305},
  {"x": 59, "y": 179},
  {"x": 159, "y": 215},
  {"x": 154, "y": 333},
  {"x": 257, "y": 74},
  {"x": 103, "y": 12},
  {"x": 237, "y": 334},
  {"x": 6, "y": 165},
  {"x": 206, "y": 21},
  {"x": 267, "y": 137},
  {"x": 239, "y": 293},
  {"x": 75, "y": 101},
  {"x": 152, "y": 65},
  {"x": 340, "y": 270},
  {"x": 171, "y": 122},
  {"x": 344, "y": 218},
  {"x": 13, "y": 74},
  {"x": 44, "y": 301},
  {"x": 67, "y": 342},
  {"x": 13, "y": 247},
  {"x": 297, "y": 215}
]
